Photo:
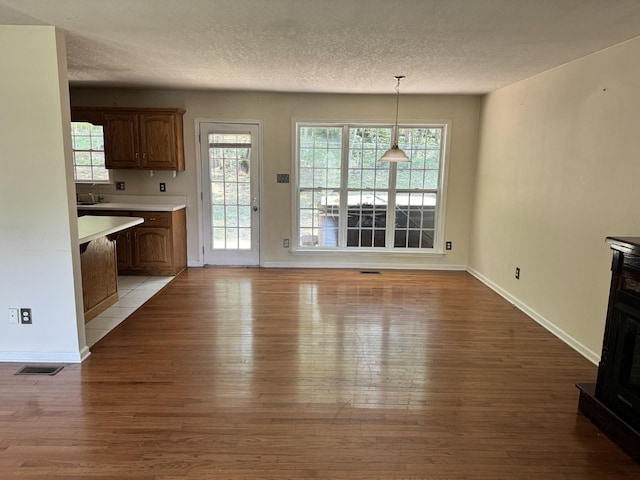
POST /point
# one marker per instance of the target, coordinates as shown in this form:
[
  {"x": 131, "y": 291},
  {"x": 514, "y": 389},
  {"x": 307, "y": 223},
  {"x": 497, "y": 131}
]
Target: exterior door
[{"x": 230, "y": 193}]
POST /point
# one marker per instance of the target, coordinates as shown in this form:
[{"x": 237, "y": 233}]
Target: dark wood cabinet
[
  {"x": 613, "y": 402},
  {"x": 148, "y": 139}
]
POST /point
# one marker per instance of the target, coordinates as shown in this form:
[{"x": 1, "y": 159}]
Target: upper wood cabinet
[
  {"x": 158, "y": 141},
  {"x": 150, "y": 138},
  {"x": 121, "y": 140}
]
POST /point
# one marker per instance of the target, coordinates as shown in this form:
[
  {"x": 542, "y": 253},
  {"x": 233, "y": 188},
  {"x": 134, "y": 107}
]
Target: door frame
[{"x": 198, "y": 121}]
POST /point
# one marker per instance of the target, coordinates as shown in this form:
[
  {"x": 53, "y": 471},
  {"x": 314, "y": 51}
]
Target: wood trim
[
  {"x": 81, "y": 110},
  {"x": 87, "y": 114}
]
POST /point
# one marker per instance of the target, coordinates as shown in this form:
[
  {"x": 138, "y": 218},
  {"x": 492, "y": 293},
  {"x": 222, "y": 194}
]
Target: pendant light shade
[{"x": 395, "y": 154}]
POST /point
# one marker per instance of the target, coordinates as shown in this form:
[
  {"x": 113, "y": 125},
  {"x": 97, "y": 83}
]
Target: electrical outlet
[
  {"x": 14, "y": 313},
  {"x": 163, "y": 187},
  {"x": 517, "y": 273},
  {"x": 119, "y": 185},
  {"x": 285, "y": 243},
  {"x": 25, "y": 316},
  {"x": 448, "y": 246}
]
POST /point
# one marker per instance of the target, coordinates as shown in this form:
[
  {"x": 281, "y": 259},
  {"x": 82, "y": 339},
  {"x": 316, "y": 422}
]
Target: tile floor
[{"x": 133, "y": 291}]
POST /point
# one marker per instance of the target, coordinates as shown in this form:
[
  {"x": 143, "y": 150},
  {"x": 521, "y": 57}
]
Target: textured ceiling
[{"x": 442, "y": 46}]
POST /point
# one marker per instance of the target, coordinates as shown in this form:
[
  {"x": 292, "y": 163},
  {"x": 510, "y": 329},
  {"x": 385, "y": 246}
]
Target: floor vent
[
  {"x": 39, "y": 370},
  {"x": 369, "y": 272}
]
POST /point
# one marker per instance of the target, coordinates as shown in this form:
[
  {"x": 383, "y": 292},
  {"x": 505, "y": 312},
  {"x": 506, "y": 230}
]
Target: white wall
[
  {"x": 558, "y": 171},
  {"x": 276, "y": 112},
  {"x": 38, "y": 228}
]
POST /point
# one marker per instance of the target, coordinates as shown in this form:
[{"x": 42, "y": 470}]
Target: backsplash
[{"x": 136, "y": 199}]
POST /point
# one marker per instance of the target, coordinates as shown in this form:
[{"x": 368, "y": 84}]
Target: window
[
  {"x": 347, "y": 199},
  {"x": 88, "y": 153}
]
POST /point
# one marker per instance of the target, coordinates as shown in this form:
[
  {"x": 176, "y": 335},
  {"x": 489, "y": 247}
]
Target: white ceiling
[{"x": 344, "y": 46}]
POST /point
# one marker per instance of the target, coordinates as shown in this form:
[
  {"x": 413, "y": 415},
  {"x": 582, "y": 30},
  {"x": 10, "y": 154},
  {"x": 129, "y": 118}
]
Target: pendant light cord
[{"x": 398, "y": 78}]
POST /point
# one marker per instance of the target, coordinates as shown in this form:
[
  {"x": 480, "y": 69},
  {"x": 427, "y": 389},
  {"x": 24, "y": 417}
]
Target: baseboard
[
  {"x": 84, "y": 353},
  {"x": 360, "y": 265},
  {"x": 587, "y": 353},
  {"x": 45, "y": 357}
]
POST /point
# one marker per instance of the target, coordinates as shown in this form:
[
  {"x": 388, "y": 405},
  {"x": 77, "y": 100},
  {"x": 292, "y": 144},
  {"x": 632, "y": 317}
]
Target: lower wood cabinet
[
  {"x": 99, "y": 276},
  {"x": 156, "y": 247},
  {"x": 124, "y": 252}
]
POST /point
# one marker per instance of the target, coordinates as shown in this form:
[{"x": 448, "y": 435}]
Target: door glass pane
[{"x": 230, "y": 169}]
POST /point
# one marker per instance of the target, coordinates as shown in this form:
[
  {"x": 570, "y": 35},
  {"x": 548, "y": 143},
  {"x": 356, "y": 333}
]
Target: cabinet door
[
  {"x": 152, "y": 247},
  {"x": 158, "y": 141},
  {"x": 121, "y": 140},
  {"x": 124, "y": 251}
]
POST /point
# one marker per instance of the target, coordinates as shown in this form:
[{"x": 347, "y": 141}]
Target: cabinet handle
[
  {"x": 152, "y": 219},
  {"x": 144, "y": 155},
  {"x": 136, "y": 155}
]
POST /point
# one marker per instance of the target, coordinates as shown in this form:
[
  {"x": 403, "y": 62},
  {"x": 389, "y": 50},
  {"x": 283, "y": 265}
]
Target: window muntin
[
  {"x": 87, "y": 141},
  {"x": 362, "y": 203}
]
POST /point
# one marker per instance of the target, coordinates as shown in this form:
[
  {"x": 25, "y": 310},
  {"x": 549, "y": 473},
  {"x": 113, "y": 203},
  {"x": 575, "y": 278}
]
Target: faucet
[{"x": 100, "y": 197}]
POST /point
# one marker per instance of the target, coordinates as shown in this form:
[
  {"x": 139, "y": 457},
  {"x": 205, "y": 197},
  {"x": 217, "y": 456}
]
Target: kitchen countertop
[
  {"x": 139, "y": 207},
  {"x": 140, "y": 203},
  {"x": 91, "y": 227}
]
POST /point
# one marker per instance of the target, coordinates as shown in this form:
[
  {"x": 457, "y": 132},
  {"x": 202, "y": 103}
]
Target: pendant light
[{"x": 395, "y": 154}]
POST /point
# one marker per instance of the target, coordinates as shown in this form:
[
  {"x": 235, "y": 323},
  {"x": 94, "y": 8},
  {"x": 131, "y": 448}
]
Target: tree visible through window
[
  {"x": 88, "y": 153},
  {"x": 348, "y": 199}
]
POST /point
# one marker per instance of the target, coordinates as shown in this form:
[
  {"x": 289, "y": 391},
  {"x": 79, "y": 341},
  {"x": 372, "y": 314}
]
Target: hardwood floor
[{"x": 296, "y": 374}]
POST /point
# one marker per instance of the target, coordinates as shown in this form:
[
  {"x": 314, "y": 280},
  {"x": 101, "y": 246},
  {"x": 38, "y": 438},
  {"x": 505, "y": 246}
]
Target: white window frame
[
  {"x": 441, "y": 194},
  {"x": 88, "y": 181}
]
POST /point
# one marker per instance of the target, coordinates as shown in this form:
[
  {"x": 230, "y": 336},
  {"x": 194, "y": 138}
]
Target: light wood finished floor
[{"x": 296, "y": 374}]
